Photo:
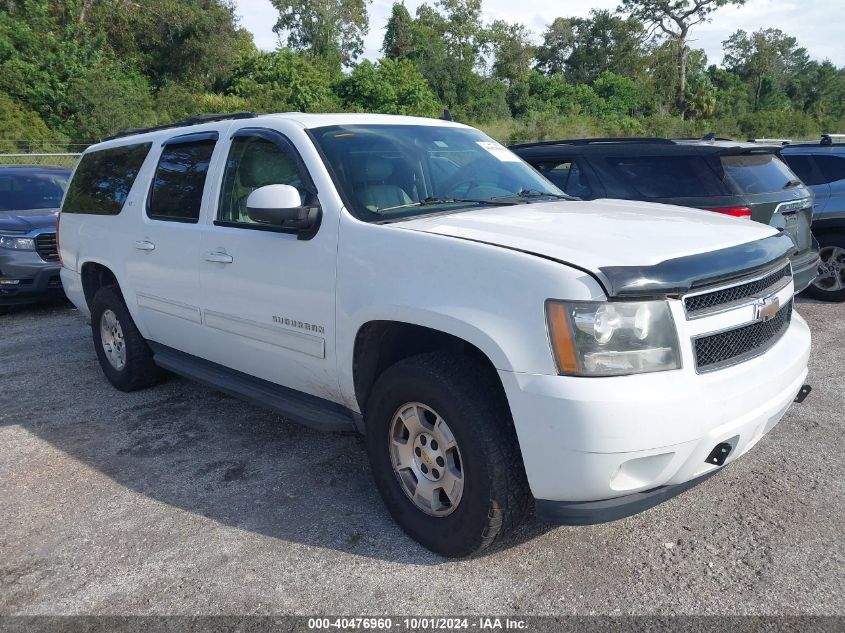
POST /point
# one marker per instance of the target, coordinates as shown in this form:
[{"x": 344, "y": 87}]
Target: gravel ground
[{"x": 180, "y": 500}]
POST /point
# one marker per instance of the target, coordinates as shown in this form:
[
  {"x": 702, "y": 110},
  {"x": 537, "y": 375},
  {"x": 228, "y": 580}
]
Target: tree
[
  {"x": 391, "y": 86},
  {"x": 326, "y": 29},
  {"x": 398, "y": 36},
  {"x": 558, "y": 39},
  {"x": 675, "y": 18},
  {"x": 765, "y": 54}
]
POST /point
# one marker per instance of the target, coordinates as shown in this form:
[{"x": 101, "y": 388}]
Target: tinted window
[
  {"x": 833, "y": 167},
  {"x": 32, "y": 189},
  {"x": 176, "y": 192},
  {"x": 103, "y": 179},
  {"x": 757, "y": 173},
  {"x": 671, "y": 176},
  {"x": 805, "y": 168},
  {"x": 253, "y": 162},
  {"x": 568, "y": 176}
]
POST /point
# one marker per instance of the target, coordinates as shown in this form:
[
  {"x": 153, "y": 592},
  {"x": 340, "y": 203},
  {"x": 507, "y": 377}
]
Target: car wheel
[
  {"x": 444, "y": 453},
  {"x": 830, "y": 284},
  {"x": 124, "y": 355}
]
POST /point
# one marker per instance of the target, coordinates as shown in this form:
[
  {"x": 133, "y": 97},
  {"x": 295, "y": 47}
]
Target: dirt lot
[{"x": 180, "y": 500}]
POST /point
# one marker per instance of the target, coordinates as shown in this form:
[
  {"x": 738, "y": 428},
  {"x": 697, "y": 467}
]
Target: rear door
[{"x": 162, "y": 263}]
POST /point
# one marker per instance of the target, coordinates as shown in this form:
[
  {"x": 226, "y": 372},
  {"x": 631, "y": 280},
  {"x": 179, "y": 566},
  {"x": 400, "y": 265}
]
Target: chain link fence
[
  {"x": 53, "y": 159},
  {"x": 40, "y": 153}
]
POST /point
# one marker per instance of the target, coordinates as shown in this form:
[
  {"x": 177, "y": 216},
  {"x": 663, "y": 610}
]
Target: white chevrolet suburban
[{"x": 502, "y": 347}]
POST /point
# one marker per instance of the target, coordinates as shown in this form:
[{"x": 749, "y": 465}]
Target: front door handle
[
  {"x": 219, "y": 258},
  {"x": 144, "y": 245}
]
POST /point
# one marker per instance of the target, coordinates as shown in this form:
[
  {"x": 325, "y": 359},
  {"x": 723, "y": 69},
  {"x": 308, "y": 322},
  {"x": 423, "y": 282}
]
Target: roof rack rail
[
  {"x": 197, "y": 119},
  {"x": 771, "y": 141},
  {"x": 591, "y": 141},
  {"x": 830, "y": 139}
]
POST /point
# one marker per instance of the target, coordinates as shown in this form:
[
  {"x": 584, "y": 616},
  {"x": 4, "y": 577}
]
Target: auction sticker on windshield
[{"x": 499, "y": 151}]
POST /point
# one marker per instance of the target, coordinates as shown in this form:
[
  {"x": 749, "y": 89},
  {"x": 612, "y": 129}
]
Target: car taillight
[
  {"x": 58, "y": 246},
  {"x": 734, "y": 212}
]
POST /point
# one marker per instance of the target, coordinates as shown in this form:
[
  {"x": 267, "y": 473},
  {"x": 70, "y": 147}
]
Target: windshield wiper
[
  {"x": 433, "y": 200},
  {"x": 793, "y": 183},
  {"x": 533, "y": 193}
]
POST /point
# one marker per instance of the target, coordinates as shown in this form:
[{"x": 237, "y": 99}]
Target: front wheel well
[
  {"x": 380, "y": 344},
  {"x": 94, "y": 277}
]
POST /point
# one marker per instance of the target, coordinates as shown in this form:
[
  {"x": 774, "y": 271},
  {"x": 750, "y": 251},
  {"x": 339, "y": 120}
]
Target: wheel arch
[
  {"x": 382, "y": 343},
  {"x": 96, "y": 275}
]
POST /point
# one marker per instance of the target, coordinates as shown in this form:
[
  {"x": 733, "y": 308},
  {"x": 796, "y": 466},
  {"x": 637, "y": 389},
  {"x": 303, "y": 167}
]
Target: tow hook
[{"x": 803, "y": 393}]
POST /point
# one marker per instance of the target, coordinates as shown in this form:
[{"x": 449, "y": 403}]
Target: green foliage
[
  {"x": 391, "y": 87},
  {"x": 284, "y": 80},
  {"x": 22, "y": 129},
  {"x": 326, "y": 29},
  {"x": 398, "y": 34}
]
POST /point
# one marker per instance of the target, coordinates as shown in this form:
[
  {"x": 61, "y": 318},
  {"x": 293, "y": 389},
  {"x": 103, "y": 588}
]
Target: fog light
[{"x": 9, "y": 282}]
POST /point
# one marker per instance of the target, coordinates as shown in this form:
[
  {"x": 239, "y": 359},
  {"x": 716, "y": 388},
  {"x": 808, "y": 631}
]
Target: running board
[{"x": 311, "y": 411}]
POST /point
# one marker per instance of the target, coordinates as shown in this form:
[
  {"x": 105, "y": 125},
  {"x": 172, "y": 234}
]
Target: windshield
[
  {"x": 390, "y": 172},
  {"x": 23, "y": 190}
]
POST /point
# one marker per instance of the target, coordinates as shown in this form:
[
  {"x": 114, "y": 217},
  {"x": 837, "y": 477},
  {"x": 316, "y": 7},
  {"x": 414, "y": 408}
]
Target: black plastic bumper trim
[{"x": 606, "y": 510}]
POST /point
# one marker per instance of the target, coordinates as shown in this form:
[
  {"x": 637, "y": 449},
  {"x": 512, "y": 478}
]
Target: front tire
[
  {"x": 830, "y": 284},
  {"x": 444, "y": 453},
  {"x": 125, "y": 357}
]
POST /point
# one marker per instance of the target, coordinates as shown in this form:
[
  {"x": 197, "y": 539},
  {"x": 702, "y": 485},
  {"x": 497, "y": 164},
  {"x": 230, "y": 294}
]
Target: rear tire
[
  {"x": 124, "y": 355},
  {"x": 830, "y": 285},
  {"x": 463, "y": 399}
]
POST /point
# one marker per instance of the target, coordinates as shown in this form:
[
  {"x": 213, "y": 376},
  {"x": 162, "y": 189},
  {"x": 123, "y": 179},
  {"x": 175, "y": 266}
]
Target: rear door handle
[
  {"x": 220, "y": 258},
  {"x": 144, "y": 245}
]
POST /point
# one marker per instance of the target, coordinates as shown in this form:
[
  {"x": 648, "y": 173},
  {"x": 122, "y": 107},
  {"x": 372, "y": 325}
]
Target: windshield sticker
[
  {"x": 499, "y": 151},
  {"x": 440, "y": 143}
]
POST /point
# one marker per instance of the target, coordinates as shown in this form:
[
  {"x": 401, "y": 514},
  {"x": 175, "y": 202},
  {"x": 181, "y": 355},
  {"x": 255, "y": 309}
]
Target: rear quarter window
[
  {"x": 670, "y": 176},
  {"x": 103, "y": 179}
]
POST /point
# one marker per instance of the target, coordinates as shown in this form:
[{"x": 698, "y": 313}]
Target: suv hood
[
  {"x": 637, "y": 248},
  {"x": 27, "y": 220},
  {"x": 599, "y": 233}
]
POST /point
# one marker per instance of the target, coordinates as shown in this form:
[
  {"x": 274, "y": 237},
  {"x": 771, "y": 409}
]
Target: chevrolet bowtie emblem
[{"x": 766, "y": 309}]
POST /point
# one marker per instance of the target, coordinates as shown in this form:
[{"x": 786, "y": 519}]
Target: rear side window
[
  {"x": 179, "y": 181},
  {"x": 567, "y": 176},
  {"x": 805, "y": 168},
  {"x": 671, "y": 176},
  {"x": 757, "y": 173},
  {"x": 103, "y": 179},
  {"x": 833, "y": 167}
]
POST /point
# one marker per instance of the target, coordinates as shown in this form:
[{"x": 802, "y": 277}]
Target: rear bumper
[
  {"x": 805, "y": 268},
  {"x": 26, "y": 278}
]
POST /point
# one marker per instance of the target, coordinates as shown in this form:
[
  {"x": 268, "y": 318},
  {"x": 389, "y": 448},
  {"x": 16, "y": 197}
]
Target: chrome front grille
[
  {"x": 715, "y": 351},
  {"x": 45, "y": 246},
  {"x": 729, "y": 297}
]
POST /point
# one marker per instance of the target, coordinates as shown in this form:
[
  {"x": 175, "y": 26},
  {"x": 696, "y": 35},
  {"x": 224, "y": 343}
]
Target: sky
[{"x": 817, "y": 24}]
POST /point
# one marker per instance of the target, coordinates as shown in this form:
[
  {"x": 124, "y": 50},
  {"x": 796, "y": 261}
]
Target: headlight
[
  {"x": 17, "y": 243},
  {"x": 612, "y": 338}
]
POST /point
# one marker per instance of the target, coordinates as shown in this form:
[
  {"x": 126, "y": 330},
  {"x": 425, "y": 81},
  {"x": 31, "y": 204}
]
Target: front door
[{"x": 268, "y": 296}]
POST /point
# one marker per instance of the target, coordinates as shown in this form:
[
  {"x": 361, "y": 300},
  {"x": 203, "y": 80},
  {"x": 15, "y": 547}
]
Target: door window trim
[{"x": 286, "y": 146}]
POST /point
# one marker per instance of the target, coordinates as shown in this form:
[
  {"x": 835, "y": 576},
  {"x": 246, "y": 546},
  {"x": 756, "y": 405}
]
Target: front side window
[
  {"x": 179, "y": 181},
  {"x": 390, "y": 172},
  {"x": 103, "y": 179},
  {"x": 567, "y": 176},
  {"x": 805, "y": 168},
  {"x": 254, "y": 162},
  {"x": 833, "y": 167}
]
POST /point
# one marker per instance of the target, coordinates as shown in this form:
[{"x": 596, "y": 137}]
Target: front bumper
[
  {"x": 36, "y": 280},
  {"x": 587, "y": 440}
]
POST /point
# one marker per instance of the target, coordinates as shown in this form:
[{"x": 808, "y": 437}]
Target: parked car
[
  {"x": 499, "y": 344},
  {"x": 29, "y": 261},
  {"x": 743, "y": 180},
  {"x": 822, "y": 168}
]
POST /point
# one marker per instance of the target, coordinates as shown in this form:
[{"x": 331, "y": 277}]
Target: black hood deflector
[{"x": 680, "y": 275}]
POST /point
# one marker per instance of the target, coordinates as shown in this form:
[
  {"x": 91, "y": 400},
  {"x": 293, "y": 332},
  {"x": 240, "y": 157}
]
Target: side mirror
[{"x": 280, "y": 206}]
